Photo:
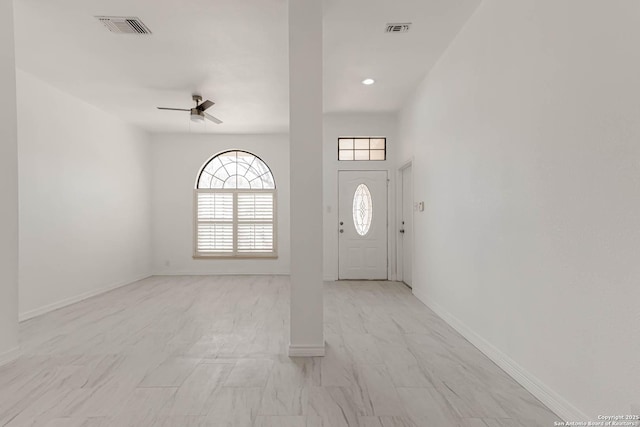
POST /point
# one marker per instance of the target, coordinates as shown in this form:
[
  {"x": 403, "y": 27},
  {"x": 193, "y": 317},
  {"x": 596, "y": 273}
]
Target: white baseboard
[
  {"x": 559, "y": 405},
  {"x": 9, "y": 356},
  {"x": 72, "y": 300},
  {"x": 326, "y": 278},
  {"x": 306, "y": 350},
  {"x": 200, "y": 273}
]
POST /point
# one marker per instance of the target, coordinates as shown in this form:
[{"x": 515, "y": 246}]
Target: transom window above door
[
  {"x": 235, "y": 208},
  {"x": 362, "y": 149}
]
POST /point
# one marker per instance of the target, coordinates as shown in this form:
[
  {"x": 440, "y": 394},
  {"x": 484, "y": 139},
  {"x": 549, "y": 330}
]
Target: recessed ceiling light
[{"x": 368, "y": 82}]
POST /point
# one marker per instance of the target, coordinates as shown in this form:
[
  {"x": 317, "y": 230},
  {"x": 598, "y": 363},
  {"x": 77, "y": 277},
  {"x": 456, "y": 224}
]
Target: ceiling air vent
[
  {"x": 124, "y": 25},
  {"x": 398, "y": 27}
]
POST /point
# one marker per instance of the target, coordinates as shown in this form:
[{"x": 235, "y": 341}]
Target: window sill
[{"x": 244, "y": 257}]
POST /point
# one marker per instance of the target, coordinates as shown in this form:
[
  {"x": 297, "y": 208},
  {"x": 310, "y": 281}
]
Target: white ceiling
[{"x": 231, "y": 51}]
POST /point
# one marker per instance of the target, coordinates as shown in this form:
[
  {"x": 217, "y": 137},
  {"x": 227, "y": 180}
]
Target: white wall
[
  {"x": 177, "y": 160},
  {"x": 84, "y": 199},
  {"x": 344, "y": 125},
  {"x": 527, "y": 155},
  {"x": 8, "y": 188}
]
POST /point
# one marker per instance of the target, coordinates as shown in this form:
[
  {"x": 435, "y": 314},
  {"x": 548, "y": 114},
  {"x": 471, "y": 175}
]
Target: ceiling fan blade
[
  {"x": 213, "y": 119},
  {"x": 173, "y": 109},
  {"x": 206, "y": 104}
]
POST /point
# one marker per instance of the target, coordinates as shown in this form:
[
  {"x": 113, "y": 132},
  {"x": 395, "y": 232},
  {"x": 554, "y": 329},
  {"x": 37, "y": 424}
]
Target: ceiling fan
[{"x": 197, "y": 113}]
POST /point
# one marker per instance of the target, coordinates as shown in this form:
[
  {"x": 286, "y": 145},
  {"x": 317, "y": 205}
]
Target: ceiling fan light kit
[
  {"x": 197, "y": 116},
  {"x": 197, "y": 113}
]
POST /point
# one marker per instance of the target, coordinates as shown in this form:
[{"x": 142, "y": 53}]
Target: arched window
[{"x": 235, "y": 200}]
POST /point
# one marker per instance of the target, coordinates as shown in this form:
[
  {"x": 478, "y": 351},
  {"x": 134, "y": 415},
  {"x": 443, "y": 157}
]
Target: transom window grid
[
  {"x": 362, "y": 149},
  {"x": 235, "y": 206}
]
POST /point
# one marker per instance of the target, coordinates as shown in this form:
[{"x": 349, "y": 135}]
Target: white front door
[
  {"x": 406, "y": 226},
  {"x": 362, "y": 225}
]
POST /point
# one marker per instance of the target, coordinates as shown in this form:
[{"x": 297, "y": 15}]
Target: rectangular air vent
[
  {"x": 124, "y": 25},
  {"x": 398, "y": 27}
]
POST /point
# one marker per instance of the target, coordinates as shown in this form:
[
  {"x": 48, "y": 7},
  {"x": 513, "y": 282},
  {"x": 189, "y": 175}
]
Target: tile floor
[{"x": 211, "y": 351}]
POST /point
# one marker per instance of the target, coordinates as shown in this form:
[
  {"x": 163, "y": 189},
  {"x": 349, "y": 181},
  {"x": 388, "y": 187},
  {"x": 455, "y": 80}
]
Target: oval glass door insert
[{"x": 362, "y": 209}]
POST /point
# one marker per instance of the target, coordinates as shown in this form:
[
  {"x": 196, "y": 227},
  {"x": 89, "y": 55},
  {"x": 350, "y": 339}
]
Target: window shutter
[
  {"x": 215, "y": 223},
  {"x": 255, "y": 222}
]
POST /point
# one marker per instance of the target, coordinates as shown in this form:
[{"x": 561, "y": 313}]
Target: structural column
[
  {"x": 8, "y": 188},
  {"x": 305, "y": 104}
]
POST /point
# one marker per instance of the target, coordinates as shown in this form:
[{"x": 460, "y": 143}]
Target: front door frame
[{"x": 399, "y": 208}]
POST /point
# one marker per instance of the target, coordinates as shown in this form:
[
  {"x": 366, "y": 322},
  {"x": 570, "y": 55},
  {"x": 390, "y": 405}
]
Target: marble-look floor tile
[
  {"x": 471, "y": 401},
  {"x": 280, "y": 421},
  {"x": 404, "y": 369},
  {"x": 23, "y": 399},
  {"x": 143, "y": 407},
  {"x": 426, "y": 407},
  {"x": 519, "y": 404},
  {"x": 52, "y": 404},
  {"x": 287, "y": 390},
  {"x": 362, "y": 349},
  {"x": 369, "y": 422},
  {"x": 337, "y": 366},
  {"x": 182, "y": 421},
  {"x": 314, "y": 421},
  {"x": 409, "y": 324},
  {"x": 171, "y": 373},
  {"x": 491, "y": 422},
  {"x": 374, "y": 392},
  {"x": 397, "y": 422},
  {"x": 352, "y": 322},
  {"x": 234, "y": 406},
  {"x": 335, "y": 406},
  {"x": 249, "y": 373},
  {"x": 74, "y": 422},
  {"x": 100, "y": 401},
  {"x": 195, "y": 395},
  {"x": 94, "y": 370},
  {"x": 212, "y": 351}
]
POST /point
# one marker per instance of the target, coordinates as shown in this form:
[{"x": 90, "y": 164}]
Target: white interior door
[
  {"x": 406, "y": 226},
  {"x": 362, "y": 225}
]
